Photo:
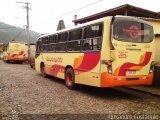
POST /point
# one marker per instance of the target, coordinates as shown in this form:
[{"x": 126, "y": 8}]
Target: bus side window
[
  {"x": 75, "y": 34},
  {"x": 45, "y": 47},
  {"x": 38, "y": 47},
  {"x": 62, "y": 37},
  {"x": 74, "y": 42},
  {"x": 91, "y": 44},
  {"x": 52, "y": 47},
  {"x": 87, "y": 45},
  {"x": 93, "y": 31},
  {"x": 74, "y": 46},
  {"x": 61, "y": 47},
  {"x": 50, "y": 39},
  {"x": 92, "y": 37},
  {"x": 53, "y": 39},
  {"x": 45, "y": 40},
  {"x": 97, "y": 43}
]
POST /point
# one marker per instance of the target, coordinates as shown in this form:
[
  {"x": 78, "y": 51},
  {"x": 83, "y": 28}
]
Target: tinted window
[
  {"x": 38, "y": 46},
  {"x": 52, "y": 47},
  {"x": 61, "y": 47},
  {"x": 45, "y": 40},
  {"x": 75, "y": 34},
  {"x": 91, "y": 44},
  {"x": 74, "y": 46},
  {"x": 52, "y": 39},
  {"x": 62, "y": 37},
  {"x": 45, "y": 47},
  {"x": 131, "y": 31},
  {"x": 87, "y": 45},
  {"x": 97, "y": 42},
  {"x": 93, "y": 31}
]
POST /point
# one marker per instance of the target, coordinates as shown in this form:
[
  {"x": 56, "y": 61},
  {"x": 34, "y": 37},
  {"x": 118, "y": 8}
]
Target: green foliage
[{"x": 8, "y": 32}]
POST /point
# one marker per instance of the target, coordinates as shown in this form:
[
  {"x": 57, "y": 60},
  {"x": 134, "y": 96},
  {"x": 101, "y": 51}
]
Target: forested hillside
[{"x": 8, "y": 32}]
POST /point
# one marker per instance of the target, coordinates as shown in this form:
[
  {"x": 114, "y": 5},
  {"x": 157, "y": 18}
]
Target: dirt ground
[{"x": 24, "y": 92}]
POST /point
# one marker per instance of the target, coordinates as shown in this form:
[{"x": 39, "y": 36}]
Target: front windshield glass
[{"x": 132, "y": 31}]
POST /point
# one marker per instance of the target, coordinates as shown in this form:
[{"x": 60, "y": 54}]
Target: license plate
[{"x": 131, "y": 72}]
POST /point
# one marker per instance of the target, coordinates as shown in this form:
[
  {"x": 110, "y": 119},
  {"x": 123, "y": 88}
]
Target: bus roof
[
  {"x": 96, "y": 21},
  {"x": 74, "y": 27}
]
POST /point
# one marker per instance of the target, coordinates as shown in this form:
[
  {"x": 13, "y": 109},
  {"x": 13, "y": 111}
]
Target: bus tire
[
  {"x": 70, "y": 79},
  {"x": 7, "y": 61},
  {"x": 31, "y": 65},
  {"x": 43, "y": 72}
]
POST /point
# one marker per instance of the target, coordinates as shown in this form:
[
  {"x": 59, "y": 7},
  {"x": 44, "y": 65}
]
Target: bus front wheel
[
  {"x": 43, "y": 71},
  {"x": 70, "y": 78}
]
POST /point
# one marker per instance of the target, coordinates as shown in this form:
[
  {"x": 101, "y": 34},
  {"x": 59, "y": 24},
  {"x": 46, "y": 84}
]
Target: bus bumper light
[{"x": 118, "y": 78}]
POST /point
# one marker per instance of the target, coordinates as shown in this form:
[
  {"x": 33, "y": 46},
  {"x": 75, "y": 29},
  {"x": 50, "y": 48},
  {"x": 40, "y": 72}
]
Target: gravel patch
[{"x": 24, "y": 92}]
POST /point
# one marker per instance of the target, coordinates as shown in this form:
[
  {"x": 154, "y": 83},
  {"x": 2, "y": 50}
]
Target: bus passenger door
[{"x": 38, "y": 56}]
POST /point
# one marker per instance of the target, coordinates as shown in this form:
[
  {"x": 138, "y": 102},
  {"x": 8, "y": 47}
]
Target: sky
[{"x": 45, "y": 14}]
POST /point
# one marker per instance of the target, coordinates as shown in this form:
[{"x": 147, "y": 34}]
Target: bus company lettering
[
  {"x": 133, "y": 31},
  {"x": 54, "y": 59},
  {"x": 122, "y": 55}
]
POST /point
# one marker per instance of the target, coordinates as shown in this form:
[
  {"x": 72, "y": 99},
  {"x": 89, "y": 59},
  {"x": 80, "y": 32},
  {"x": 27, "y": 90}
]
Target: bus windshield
[{"x": 132, "y": 31}]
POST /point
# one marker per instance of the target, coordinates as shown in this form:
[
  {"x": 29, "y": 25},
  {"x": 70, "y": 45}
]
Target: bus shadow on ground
[
  {"x": 14, "y": 62},
  {"x": 104, "y": 93}
]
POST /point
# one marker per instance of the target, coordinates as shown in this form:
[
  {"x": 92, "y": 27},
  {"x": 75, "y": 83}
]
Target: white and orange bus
[
  {"x": 107, "y": 52},
  {"x": 14, "y": 51}
]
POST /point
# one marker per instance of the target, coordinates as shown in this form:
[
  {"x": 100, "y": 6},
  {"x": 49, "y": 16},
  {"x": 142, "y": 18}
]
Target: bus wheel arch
[
  {"x": 70, "y": 77},
  {"x": 42, "y": 68}
]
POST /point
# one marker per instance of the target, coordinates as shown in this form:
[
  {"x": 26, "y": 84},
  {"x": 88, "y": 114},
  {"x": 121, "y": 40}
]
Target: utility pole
[{"x": 27, "y": 27}]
